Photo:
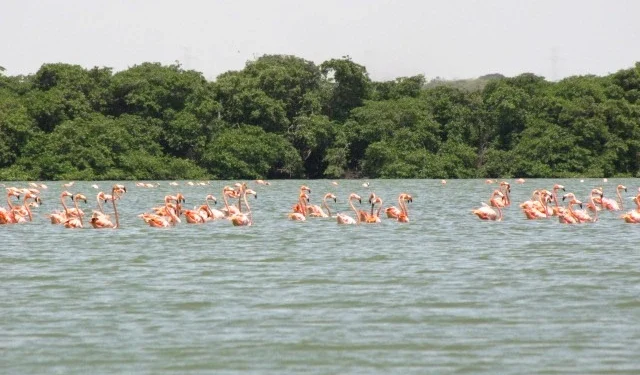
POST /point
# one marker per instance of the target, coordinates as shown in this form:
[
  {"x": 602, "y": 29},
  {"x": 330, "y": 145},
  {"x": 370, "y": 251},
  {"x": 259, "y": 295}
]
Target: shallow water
[{"x": 445, "y": 293}]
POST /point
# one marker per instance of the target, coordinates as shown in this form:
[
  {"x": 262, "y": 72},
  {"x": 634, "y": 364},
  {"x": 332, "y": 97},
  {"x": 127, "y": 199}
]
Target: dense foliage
[{"x": 285, "y": 117}]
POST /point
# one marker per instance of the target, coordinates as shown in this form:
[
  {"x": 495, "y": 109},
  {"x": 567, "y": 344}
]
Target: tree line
[{"x": 286, "y": 117}]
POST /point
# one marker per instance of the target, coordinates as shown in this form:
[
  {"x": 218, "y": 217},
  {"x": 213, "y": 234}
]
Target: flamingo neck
[
  {"x": 499, "y": 210},
  {"x": 619, "y": 197},
  {"x": 303, "y": 205},
  {"x": 555, "y": 196},
  {"x": 379, "y": 210},
  {"x": 26, "y": 206},
  {"x": 325, "y": 205},
  {"x": 115, "y": 211},
  {"x": 75, "y": 203},
  {"x": 353, "y": 207},
  {"x": 246, "y": 203},
  {"x": 66, "y": 210},
  {"x": 595, "y": 215}
]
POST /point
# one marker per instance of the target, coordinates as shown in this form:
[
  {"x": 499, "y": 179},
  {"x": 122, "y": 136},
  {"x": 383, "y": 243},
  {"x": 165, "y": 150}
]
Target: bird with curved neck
[
  {"x": 244, "y": 219},
  {"x": 393, "y": 212},
  {"x": 634, "y": 215},
  {"x": 300, "y": 210},
  {"x": 324, "y": 205},
  {"x": 76, "y": 221},
  {"x": 103, "y": 221},
  {"x": 505, "y": 188},
  {"x": 346, "y": 219},
  {"x": 402, "y": 201},
  {"x": 612, "y": 204},
  {"x": 486, "y": 212},
  {"x": 6, "y": 215}
]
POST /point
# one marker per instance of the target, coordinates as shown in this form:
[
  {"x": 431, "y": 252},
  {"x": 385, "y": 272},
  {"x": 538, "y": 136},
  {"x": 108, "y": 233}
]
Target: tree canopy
[{"x": 283, "y": 116}]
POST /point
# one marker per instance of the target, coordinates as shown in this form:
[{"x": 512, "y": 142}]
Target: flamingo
[
  {"x": 537, "y": 207},
  {"x": 345, "y": 219},
  {"x": 212, "y": 213},
  {"x": 634, "y": 215},
  {"x": 582, "y": 215},
  {"x": 569, "y": 216},
  {"x": 404, "y": 215},
  {"x": 242, "y": 219},
  {"x": 325, "y": 205},
  {"x": 60, "y": 217},
  {"x": 76, "y": 221},
  {"x": 393, "y": 212},
  {"x": 8, "y": 216},
  {"x": 505, "y": 188},
  {"x": 375, "y": 217},
  {"x": 230, "y": 192},
  {"x": 611, "y": 204},
  {"x": 486, "y": 212},
  {"x": 162, "y": 221},
  {"x": 554, "y": 196},
  {"x": 300, "y": 209},
  {"x": 26, "y": 207},
  {"x": 102, "y": 221}
]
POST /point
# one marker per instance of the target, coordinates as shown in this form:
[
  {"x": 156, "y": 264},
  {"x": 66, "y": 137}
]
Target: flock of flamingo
[
  {"x": 169, "y": 214},
  {"x": 545, "y": 204}
]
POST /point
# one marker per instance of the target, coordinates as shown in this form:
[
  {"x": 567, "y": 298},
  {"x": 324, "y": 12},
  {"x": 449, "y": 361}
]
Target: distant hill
[{"x": 469, "y": 84}]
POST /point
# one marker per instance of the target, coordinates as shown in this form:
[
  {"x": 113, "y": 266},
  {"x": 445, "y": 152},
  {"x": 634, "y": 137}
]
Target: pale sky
[{"x": 448, "y": 38}]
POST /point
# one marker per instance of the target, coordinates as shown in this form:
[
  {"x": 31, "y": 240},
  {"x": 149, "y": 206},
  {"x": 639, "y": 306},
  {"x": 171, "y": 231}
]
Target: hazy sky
[{"x": 450, "y": 39}]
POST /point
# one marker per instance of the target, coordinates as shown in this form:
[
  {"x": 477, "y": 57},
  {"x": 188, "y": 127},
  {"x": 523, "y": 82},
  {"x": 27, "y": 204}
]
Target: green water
[{"x": 445, "y": 293}]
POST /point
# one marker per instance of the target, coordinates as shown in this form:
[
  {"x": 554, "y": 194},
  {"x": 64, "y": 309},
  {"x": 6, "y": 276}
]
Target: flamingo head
[
  {"x": 409, "y": 198},
  {"x": 80, "y": 197},
  {"x": 66, "y": 194},
  {"x": 372, "y": 197},
  {"x": 558, "y": 187},
  {"x": 304, "y": 188},
  {"x": 506, "y": 185},
  {"x": 211, "y": 198},
  {"x": 355, "y": 196},
  {"x": 331, "y": 196},
  {"x": 255, "y": 194},
  {"x": 120, "y": 189},
  {"x": 622, "y": 187}
]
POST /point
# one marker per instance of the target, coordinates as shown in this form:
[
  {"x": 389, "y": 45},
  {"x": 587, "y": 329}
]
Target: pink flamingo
[
  {"x": 345, "y": 219},
  {"x": 611, "y": 204},
  {"x": 242, "y": 219},
  {"x": 60, "y": 217},
  {"x": 634, "y": 215},
  {"x": 569, "y": 216},
  {"x": 393, "y": 212},
  {"x": 300, "y": 210},
  {"x": 554, "y": 196},
  {"x": 317, "y": 211},
  {"x": 375, "y": 217},
  {"x": 8, "y": 216},
  {"x": 505, "y": 188},
  {"x": 76, "y": 221},
  {"x": 102, "y": 221},
  {"x": 486, "y": 212}
]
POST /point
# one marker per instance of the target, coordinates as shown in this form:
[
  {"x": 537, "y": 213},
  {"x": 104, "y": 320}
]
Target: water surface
[{"x": 445, "y": 293}]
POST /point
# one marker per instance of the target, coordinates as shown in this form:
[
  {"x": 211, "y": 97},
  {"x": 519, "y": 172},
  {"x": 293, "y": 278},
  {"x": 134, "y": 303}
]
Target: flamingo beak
[
  {"x": 563, "y": 189},
  {"x": 360, "y": 201},
  {"x": 580, "y": 205},
  {"x": 563, "y": 198},
  {"x": 335, "y": 200}
]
